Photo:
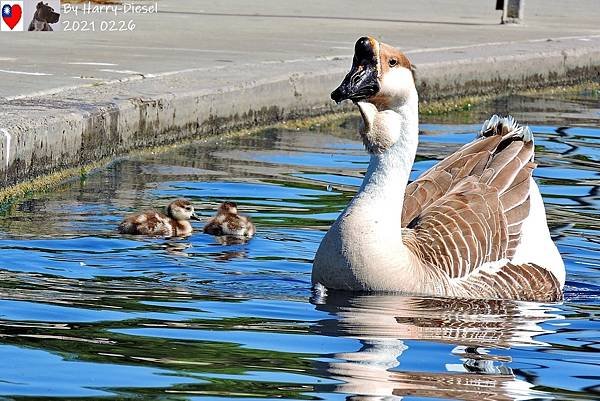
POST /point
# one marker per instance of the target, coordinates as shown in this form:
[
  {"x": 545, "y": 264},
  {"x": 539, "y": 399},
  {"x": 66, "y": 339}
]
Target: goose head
[
  {"x": 380, "y": 74},
  {"x": 181, "y": 209}
]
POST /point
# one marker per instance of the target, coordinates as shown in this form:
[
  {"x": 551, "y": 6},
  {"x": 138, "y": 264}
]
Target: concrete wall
[{"x": 70, "y": 128}]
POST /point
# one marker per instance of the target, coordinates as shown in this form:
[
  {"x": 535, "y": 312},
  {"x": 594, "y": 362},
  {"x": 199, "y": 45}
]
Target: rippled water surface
[{"x": 89, "y": 314}]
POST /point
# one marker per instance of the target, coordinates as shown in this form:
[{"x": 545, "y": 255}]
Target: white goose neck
[{"x": 388, "y": 173}]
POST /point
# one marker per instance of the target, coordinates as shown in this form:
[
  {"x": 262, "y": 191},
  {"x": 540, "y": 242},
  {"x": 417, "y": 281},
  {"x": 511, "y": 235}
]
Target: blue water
[{"x": 86, "y": 313}]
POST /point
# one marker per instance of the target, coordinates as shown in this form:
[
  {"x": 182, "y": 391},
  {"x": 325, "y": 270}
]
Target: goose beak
[
  {"x": 194, "y": 216},
  {"x": 361, "y": 82}
]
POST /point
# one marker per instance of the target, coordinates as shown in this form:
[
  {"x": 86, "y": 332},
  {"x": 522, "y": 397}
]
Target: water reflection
[
  {"x": 177, "y": 248},
  {"x": 201, "y": 318},
  {"x": 388, "y": 325}
]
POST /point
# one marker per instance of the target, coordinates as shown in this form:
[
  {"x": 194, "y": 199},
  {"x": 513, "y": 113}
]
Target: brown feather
[
  {"x": 469, "y": 209},
  {"x": 227, "y": 221},
  {"x": 524, "y": 282}
]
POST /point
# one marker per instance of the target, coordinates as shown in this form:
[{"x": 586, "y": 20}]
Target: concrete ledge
[
  {"x": 508, "y": 73},
  {"x": 71, "y": 127}
]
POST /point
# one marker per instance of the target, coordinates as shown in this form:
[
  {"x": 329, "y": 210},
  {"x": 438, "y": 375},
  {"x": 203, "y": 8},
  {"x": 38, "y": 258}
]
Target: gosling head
[
  {"x": 181, "y": 209},
  {"x": 380, "y": 74},
  {"x": 228, "y": 208}
]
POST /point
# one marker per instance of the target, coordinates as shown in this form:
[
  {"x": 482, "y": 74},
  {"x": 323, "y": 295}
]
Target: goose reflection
[
  {"x": 177, "y": 248},
  {"x": 387, "y": 325}
]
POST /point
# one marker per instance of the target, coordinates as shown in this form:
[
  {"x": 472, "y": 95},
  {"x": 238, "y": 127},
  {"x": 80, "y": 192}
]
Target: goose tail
[{"x": 506, "y": 127}]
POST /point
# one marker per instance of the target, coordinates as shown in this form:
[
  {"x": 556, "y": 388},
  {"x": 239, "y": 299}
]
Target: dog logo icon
[
  {"x": 12, "y": 16},
  {"x": 42, "y": 18}
]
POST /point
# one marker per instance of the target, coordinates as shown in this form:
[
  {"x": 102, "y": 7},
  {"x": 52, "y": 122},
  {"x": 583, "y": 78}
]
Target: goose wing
[
  {"x": 489, "y": 178},
  {"x": 470, "y": 160},
  {"x": 463, "y": 217}
]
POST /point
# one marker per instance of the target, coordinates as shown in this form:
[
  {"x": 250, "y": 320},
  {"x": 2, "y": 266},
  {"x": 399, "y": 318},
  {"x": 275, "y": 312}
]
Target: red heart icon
[{"x": 15, "y": 16}]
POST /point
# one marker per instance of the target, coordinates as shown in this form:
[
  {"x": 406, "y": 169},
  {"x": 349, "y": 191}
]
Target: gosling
[
  {"x": 227, "y": 221},
  {"x": 175, "y": 222}
]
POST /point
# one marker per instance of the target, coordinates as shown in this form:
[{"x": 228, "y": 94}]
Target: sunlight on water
[{"x": 88, "y": 314}]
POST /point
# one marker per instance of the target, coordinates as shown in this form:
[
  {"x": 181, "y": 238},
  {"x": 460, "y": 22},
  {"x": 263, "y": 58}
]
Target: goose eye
[{"x": 393, "y": 62}]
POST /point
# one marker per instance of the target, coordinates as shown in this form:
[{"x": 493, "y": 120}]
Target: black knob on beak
[{"x": 363, "y": 49}]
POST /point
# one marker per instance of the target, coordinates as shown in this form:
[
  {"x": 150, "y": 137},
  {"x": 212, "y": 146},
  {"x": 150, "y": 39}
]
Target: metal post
[{"x": 512, "y": 12}]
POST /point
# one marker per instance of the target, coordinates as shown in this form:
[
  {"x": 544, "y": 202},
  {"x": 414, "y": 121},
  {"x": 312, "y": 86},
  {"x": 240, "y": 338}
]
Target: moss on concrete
[
  {"x": 585, "y": 87},
  {"x": 11, "y": 194},
  {"x": 466, "y": 103},
  {"x": 22, "y": 190}
]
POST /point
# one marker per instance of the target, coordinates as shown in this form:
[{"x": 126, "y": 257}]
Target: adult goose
[{"x": 473, "y": 226}]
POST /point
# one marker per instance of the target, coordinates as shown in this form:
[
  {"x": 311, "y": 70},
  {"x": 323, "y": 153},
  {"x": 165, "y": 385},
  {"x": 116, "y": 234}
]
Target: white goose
[{"x": 473, "y": 226}]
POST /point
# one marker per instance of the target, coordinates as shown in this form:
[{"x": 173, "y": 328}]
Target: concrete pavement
[{"x": 196, "y": 67}]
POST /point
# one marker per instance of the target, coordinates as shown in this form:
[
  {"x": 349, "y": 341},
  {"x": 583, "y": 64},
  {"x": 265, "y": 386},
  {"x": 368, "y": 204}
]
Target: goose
[
  {"x": 173, "y": 223},
  {"x": 473, "y": 226},
  {"x": 229, "y": 222}
]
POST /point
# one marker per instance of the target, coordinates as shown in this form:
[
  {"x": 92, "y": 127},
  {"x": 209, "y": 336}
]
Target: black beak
[
  {"x": 194, "y": 216},
  {"x": 361, "y": 82}
]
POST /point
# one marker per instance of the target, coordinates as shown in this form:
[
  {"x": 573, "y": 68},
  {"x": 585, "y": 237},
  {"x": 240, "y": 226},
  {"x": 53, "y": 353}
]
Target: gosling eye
[
  {"x": 188, "y": 208},
  {"x": 393, "y": 62}
]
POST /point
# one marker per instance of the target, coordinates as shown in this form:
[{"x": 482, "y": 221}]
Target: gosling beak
[
  {"x": 194, "y": 216},
  {"x": 361, "y": 82}
]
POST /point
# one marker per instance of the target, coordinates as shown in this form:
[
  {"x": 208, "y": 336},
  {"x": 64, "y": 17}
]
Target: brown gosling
[
  {"x": 227, "y": 221},
  {"x": 175, "y": 222}
]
